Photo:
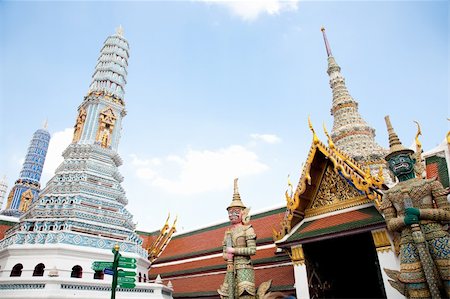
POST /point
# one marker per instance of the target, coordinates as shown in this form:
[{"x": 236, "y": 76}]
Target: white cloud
[
  {"x": 58, "y": 143},
  {"x": 200, "y": 170},
  {"x": 269, "y": 138},
  {"x": 250, "y": 10}
]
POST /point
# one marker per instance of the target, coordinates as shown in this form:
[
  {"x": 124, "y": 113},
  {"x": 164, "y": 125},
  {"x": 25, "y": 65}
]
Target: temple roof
[
  {"x": 209, "y": 240},
  {"x": 329, "y": 226},
  {"x": 330, "y": 181}
]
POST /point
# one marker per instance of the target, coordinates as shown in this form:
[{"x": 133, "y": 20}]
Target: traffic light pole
[{"x": 114, "y": 268}]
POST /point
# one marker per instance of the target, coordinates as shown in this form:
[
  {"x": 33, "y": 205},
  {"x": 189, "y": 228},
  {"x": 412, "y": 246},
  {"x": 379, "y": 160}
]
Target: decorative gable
[
  {"x": 334, "y": 193},
  {"x": 330, "y": 181}
]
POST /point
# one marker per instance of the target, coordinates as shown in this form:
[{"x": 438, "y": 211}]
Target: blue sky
[{"x": 220, "y": 89}]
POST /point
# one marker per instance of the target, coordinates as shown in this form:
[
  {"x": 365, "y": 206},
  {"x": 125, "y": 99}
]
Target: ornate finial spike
[
  {"x": 327, "y": 45},
  {"x": 315, "y": 138},
  {"x": 119, "y": 30},
  {"x": 45, "y": 125},
  {"x": 330, "y": 141},
  {"x": 289, "y": 181},
  {"x": 116, "y": 247},
  {"x": 236, "y": 190},
  {"x": 419, "y": 132},
  {"x": 448, "y": 134}
]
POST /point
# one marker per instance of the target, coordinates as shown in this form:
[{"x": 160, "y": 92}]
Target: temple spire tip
[
  {"x": 327, "y": 45},
  {"x": 119, "y": 30}
]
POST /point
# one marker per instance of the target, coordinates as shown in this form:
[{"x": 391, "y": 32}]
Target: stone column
[
  {"x": 387, "y": 259},
  {"x": 300, "y": 274}
]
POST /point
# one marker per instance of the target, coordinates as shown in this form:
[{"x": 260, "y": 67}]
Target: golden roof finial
[
  {"x": 315, "y": 138},
  {"x": 119, "y": 30},
  {"x": 175, "y": 222},
  {"x": 290, "y": 187},
  {"x": 448, "y": 134},
  {"x": 330, "y": 141},
  {"x": 419, "y": 132}
]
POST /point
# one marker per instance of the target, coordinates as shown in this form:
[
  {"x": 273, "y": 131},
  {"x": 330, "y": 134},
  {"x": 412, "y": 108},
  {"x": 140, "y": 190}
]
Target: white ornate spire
[
  {"x": 111, "y": 71},
  {"x": 350, "y": 132}
]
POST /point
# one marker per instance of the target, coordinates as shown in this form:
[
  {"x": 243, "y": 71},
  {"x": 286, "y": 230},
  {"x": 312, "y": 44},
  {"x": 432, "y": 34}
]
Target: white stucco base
[
  {"x": 59, "y": 259},
  {"x": 301, "y": 281},
  {"x": 389, "y": 260}
]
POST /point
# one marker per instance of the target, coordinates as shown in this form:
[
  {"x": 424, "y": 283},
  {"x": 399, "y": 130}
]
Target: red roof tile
[
  {"x": 216, "y": 261},
  {"x": 281, "y": 276},
  {"x": 432, "y": 170},
  {"x": 210, "y": 239},
  {"x": 335, "y": 220}
]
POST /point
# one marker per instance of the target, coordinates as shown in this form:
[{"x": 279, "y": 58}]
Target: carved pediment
[{"x": 334, "y": 193}]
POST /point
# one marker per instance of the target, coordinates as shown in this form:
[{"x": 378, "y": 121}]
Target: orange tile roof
[
  {"x": 147, "y": 240},
  {"x": 209, "y": 240},
  {"x": 216, "y": 261},
  {"x": 281, "y": 276},
  {"x": 432, "y": 170},
  {"x": 335, "y": 220},
  {"x": 346, "y": 221}
]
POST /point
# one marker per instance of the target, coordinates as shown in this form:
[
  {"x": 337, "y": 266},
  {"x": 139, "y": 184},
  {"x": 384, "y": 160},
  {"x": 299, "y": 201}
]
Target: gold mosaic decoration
[
  {"x": 25, "y": 200},
  {"x": 381, "y": 240},
  {"x": 79, "y": 125},
  {"x": 297, "y": 255},
  {"x": 359, "y": 175},
  {"x": 107, "y": 120},
  {"x": 333, "y": 189}
]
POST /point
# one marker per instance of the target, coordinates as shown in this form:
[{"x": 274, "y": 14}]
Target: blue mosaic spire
[
  {"x": 26, "y": 188},
  {"x": 83, "y": 205}
]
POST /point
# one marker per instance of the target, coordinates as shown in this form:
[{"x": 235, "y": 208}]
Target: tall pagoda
[
  {"x": 26, "y": 189},
  {"x": 80, "y": 215},
  {"x": 350, "y": 132}
]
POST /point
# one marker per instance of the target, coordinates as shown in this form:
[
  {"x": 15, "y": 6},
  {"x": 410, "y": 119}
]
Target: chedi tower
[
  {"x": 350, "y": 132},
  {"x": 80, "y": 215},
  {"x": 26, "y": 189}
]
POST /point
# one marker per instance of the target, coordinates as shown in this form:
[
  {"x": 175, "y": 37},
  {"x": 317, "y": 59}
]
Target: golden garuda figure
[{"x": 418, "y": 210}]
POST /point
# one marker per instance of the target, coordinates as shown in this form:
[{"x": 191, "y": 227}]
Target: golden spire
[
  {"x": 395, "y": 144},
  {"x": 45, "y": 125},
  {"x": 236, "y": 202},
  {"x": 315, "y": 138},
  {"x": 330, "y": 141}
]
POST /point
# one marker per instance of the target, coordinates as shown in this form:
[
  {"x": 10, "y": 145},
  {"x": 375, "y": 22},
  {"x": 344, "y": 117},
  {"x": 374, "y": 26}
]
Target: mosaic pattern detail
[{"x": 84, "y": 203}]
